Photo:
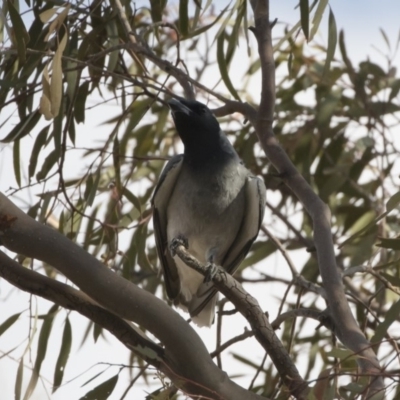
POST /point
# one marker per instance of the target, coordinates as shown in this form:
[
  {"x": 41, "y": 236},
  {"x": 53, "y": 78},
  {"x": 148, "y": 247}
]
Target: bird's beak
[{"x": 177, "y": 106}]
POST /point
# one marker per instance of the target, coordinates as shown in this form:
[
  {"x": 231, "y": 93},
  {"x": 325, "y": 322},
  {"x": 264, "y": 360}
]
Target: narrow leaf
[
  {"x": 16, "y": 162},
  {"x": 57, "y": 22},
  {"x": 207, "y": 27},
  {"x": 45, "y": 99},
  {"x": 156, "y": 9},
  {"x": 46, "y": 15},
  {"x": 92, "y": 191},
  {"x": 395, "y": 89},
  {"x": 385, "y": 38},
  {"x": 319, "y": 12},
  {"x": 23, "y": 128},
  {"x": 183, "y": 17},
  {"x": 80, "y": 102},
  {"x": 390, "y": 316},
  {"x": 8, "y": 322},
  {"x": 393, "y": 244},
  {"x": 18, "y": 380},
  {"x": 56, "y": 79},
  {"x": 132, "y": 198},
  {"x": 103, "y": 391},
  {"x": 393, "y": 202},
  {"x": 48, "y": 163},
  {"x": 97, "y": 329},
  {"x": 39, "y": 143},
  {"x": 42, "y": 349},
  {"x": 63, "y": 355},
  {"x": 20, "y": 34},
  {"x": 304, "y": 17},
  {"x": 332, "y": 41},
  {"x": 223, "y": 68},
  {"x": 98, "y": 374}
]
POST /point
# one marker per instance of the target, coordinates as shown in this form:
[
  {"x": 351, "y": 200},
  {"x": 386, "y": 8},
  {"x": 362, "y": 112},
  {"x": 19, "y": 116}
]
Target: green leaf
[
  {"x": 319, "y": 12},
  {"x": 140, "y": 237},
  {"x": 23, "y": 128},
  {"x": 233, "y": 38},
  {"x": 207, "y": 27},
  {"x": 132, "y": 198},
  {"x": 366, "y": 220},
  {"x": 363, "y": 230},
  {"x": 341, "y": 354},
  {"x": 18, "y": 380},
  {"x": 42, "y": 349},
  {"x": 8, "y": 322},
  {"x": 395, "y": 89},
  {"x": 99, "y": 373},
  {"x": 385, "y": 38},
  {"x": 390, "y": 316},
  {"x": 227, "y": 20},
  {"x": 304, "y": 17},
  {"x": 156, "y": 9},
  {"x": 259, "y": 251},
  {"x": 112, "y": 33},
  {"x": 16, "y": 162},
  {"x": 393, "y": 244},
  {"x": 223, "y": 68},
  {"x": 343, "y": 50},
  {"x": 332, "y": 41},
  {"x": 48, "y": 164},
  {"x": 183, "y": 17},
  {"x": 80, "y": 102},
  {"x": 63, "y": 355},
  {"x": 20, "y": 35},
  {"x": 393, "y": 202},
  {"x": 39, "y": 143},
  {"x": 97, "y": 329},
  {"x": 91, "y": 188},
  {"x": 102, "y": 391},
  {"x": 380, "y": 108}
]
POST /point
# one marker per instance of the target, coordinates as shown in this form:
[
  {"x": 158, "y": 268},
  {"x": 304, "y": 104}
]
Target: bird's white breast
[{"x": 208, "y": 214}]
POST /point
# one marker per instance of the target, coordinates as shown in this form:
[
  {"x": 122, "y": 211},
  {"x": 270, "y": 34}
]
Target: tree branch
[
  {"x": 250, "y": 309},
  {"x": 190, "y": 366},
  {"x": 346, "y": 327},
  {"x": 136, "y": 48},
  {"x": 73, "y": 299}
]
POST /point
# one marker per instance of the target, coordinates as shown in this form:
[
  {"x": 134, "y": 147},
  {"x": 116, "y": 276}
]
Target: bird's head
[{"x": 195, "y": 123}]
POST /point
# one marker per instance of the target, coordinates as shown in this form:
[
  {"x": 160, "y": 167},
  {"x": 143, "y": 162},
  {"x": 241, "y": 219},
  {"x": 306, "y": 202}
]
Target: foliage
[{"x": 64, "y": 64}]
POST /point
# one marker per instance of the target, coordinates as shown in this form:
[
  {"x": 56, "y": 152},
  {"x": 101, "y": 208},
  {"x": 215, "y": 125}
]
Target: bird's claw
[
  {"x": 212, "y": 270},
  {"x": 178, "y": 241}
]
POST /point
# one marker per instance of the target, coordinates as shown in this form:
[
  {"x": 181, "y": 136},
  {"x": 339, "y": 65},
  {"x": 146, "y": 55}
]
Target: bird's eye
[{"x": 203, "y": 110}]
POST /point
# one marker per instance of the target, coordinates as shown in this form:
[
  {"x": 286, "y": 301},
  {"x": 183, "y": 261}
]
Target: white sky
[{"x": 361, "y": 20}]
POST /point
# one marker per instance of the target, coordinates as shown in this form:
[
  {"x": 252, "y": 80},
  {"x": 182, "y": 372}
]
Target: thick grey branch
[
  {"x": 346, "y": 327},
  {"x": 191, "y": 367},
  {"x": 73, "y": 299}
]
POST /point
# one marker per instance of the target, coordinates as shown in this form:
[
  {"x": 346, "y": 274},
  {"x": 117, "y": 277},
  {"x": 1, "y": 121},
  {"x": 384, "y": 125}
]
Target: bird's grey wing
[
  {"x": 252, "y": 219},
  {"x": 253, "y": 215},
  {"x": 160, "y": 202}
]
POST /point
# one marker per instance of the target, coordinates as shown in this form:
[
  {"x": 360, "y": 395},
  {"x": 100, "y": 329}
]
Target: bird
[{"x": 208, "y": 198}]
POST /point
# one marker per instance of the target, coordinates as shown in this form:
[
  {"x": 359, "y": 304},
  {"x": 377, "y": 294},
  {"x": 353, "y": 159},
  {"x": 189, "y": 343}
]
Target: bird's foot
[
  {"x": 212, "y": 270},
  {"x": 178, "y": 241}
]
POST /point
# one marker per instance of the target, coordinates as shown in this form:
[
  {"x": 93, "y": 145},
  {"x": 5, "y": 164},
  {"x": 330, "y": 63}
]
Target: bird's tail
[{"x": 204, "y": 317}]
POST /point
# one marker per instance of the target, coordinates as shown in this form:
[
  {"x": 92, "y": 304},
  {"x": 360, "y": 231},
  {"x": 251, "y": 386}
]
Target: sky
[{"x": 361, "y": 21}]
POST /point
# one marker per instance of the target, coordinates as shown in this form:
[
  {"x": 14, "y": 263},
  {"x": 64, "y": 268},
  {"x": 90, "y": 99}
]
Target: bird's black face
[{"x": 195, "y": 123}]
